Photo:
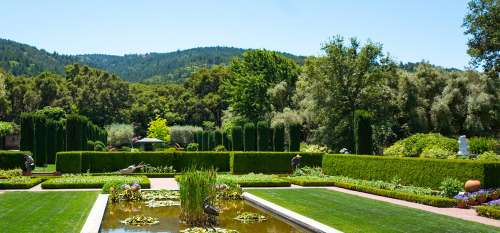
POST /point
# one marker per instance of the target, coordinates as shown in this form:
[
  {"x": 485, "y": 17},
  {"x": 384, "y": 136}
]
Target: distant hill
[{"x": 22, "y": 59}]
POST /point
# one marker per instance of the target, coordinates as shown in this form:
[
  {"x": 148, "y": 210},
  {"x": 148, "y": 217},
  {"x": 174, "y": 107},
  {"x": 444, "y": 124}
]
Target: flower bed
[
  {"x": 469, "y": 199},
  {"x": 149, "y": 175},
  {"x": 80, "y": 181},
  {"x": 255, "y": 180},
  {"x": 19, "y": 182},
  {"x": 491, "y": 210}
]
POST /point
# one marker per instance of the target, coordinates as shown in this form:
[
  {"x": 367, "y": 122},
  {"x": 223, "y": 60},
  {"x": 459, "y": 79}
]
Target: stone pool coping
[
  {"x": 289, "y": 215},
  {"x": 93, "y": 222}
]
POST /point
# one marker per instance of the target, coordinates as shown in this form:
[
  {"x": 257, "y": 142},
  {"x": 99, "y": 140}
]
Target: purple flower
[
  {"x": 494, "y": 202},
  {"x": 462, "y": 197}
]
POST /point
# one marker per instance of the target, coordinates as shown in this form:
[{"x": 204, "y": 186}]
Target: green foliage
[
  {"x": 418, "y": 172},
  {"x": 220, "y": 148},
  {"x": 69, "y": 162},
  {"x": 27, "y": 132},
  {"x": 6, "y": 128},
  {"x": 488, "y": 211},
  {"x": 192, "y": 147},
  {"x": 115, "y": 185},
  {"x": 264, "y": 136},
  {"x": 218, "y": 139},
  {"x": 183, "y": 135},
  {"x": 488, "y": 156},
  {"x": 451, "y": 187},
  {"x": 226, "y": 141},
  {"x": 237, "y": 138},
  {"x": 435, "y": 152},
  {"x": 158, "y": 128},
  {"x": 119, "y": 134},
  {"x": 19, "y": 182},
  {"x": 363, "y": 132},
  {"x": 52, "y": 139},
  {"x": 196, "y": 189},
  {"x": 250, "y": 137},
  {"x": 415, "y": 144},
  {"x": 294, "y": 137},
  {"x": 206, "y": 138},
  {"x": 270, "y": 162},
  {"x": 82, "y": 181},
  {"x": 279, "y": 137},
  {"x": 313, "y": 148},
  {"x": 254, "y": 180},
  {"x": 479, "y": 145},
  {"x": 12, "y": 159},
  {"x": 308, "y": 171},
  {"x": 215, "y": 160},
  {"x": 40, "y": 142}
]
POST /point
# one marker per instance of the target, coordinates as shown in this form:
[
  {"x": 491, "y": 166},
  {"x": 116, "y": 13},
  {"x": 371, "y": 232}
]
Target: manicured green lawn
[
  {"x": 48, "y": 168},
  {"x": 44, "y": 211},
  {"x": 350, "y": 213}
]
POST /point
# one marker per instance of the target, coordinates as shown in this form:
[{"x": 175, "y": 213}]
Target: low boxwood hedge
[
  {"x": 12, "y": 159},
  {"x": 488, "y": 211},
  {"x": 255, "y": 180},
  {"x": 270, "y": 162},
  {"x": 411, "y": 171},
  {"x": 217, "y": 160},
  {"x": 79, "y": 181},
  {"x": 69, "y": 162},
  {"x": 19, "y": 183}
]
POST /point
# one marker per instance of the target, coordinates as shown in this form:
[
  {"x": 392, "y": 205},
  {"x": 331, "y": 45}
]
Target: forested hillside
[{"x": 173, "y": 67}]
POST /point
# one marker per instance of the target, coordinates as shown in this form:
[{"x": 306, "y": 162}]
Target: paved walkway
[{"x": 164, "y": 183}]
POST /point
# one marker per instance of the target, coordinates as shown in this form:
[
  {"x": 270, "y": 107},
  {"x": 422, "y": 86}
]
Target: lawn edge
[{"x": 94, "y": 219}]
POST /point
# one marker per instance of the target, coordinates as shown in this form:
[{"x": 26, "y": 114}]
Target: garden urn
[{"x": 472, "y": 185}]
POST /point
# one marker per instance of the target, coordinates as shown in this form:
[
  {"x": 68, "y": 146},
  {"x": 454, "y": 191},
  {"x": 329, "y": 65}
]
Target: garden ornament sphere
[{"x": 472, "y": 185}]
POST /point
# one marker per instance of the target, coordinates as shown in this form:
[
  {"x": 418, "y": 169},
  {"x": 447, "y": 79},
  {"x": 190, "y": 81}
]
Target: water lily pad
[
  {"x": 140, "y": 220},
  {"x": 249, "y": 217},
  {"x": 207, "y": 230}
]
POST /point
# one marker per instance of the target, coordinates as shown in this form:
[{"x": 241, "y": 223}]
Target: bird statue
[{"x": 212, "y": 213}]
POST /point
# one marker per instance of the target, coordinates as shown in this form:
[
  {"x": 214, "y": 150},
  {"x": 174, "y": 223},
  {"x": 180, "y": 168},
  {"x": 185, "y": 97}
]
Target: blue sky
[{"x": 409, "y": 30}]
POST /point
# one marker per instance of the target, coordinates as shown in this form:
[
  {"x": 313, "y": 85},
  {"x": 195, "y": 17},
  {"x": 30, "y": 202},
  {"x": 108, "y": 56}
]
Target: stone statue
[
  {"x": 463, "y": 146},
  {"x": 296, "y": 162},
  {"x": 212, "y": 212},
  {"x": 344, "y": 151},
  {"x": 131, "y": 169},
  {"x": 29, "y": 164}
]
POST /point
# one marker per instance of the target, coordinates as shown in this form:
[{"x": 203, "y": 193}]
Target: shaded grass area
[
  {"x": 48, "y": 168},
  {"x": 44, "y": 211},
  {"x": 350, "y": 213}
]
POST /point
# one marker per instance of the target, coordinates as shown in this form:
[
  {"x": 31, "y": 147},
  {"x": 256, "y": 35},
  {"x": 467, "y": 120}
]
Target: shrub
[
  {"x": 314, "y": 148},
  {"x": 279, "y": 138},
  {"x": 418, "y": 172},
  {"x": 74, "y": 132},
  {"x": 119, "y": 134},
  {"x": 218, "y": 138},
  {"x": 294, "y": 137},
  {"x": 264, "y": 137},
  {"x": 237, "y": 138},
  {"x": 226, "y": 141},
  {"x": 183, "y": 135},
  {"x": 396, "y": 150},
  {"x": 451, "y": 187},
  {"x": 199, "y": 137},
  {"x": 216, "y": 160},
  {"x": 158, "y": 128},
  {"x": 479, "y": 145},
  {"x": 192, "y": 147},
  {"x": 254, "y": 180},
  {"x": 211, "y": 140},
  {"x": 27, "y": 132},
  {"x": 99, "y": 146},
  {"x": 270, "y": 162},
  {"x": 79, "y": 181},
  {"x": 488, "y": 156},
  {"x": 69, "y": 162},
  {"x": 19, "y": 182},
  {"x": 220, "y": 148},
  {"x": 437, "y": 153},
  {"x": 115, "y": 184},
  {"x": 12, "y": 159},
  {"x": 250, "y": 137},
  {"x": 205, "y": 144},
  {"x": 415, "y": 144},
  {"x": 488, "y": 211},
  {"x": 363, "y": 132},
  {"x": 40, "y": 143}
]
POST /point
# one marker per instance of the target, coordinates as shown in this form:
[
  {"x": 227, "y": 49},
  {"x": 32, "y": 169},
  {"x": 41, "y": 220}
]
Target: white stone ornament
[{"x": 463, "y": 146}]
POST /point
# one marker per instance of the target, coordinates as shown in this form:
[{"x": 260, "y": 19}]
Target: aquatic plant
[
  {"x": 249, "y": 217},
  {"x": 196, "y": 189},
  {"x": 207, "y": 230},
  {"x": 140, "y": 220}
]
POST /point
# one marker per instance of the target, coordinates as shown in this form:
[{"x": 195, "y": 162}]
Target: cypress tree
[
  {"x": 250, "y": 137},
  {"x": 40, "y": 142},
  {"x": 204, "y": 146},
  {"x": 279, "y": 137},
  {"x": 225, "y": 141},
  {"x": 363, "y": 132},
  {"x": 237, "y": 138},
  {"x": 211, "y": 140},
  {"x": 294, "y": 137},
  {"x": 27, "y": 132},
  {"x": 264, "y": 136},
  {"x": 51, "y": 140},
  {"x": 218, "y": 138},
  {"x": 198, "y": 138}
]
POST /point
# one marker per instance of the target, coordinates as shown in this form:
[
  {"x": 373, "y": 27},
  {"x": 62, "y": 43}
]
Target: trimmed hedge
[
  {"x": 12, "y": 159},
  {"x": 6, "y": 184},
  {"x": 148, "y": 175},
  {"x": 254, "y": 180},
  {"x": 218, "y": 138},
  {"x": 69, "y": 162},
  {"x": 205, "y": 141},
  {"x": 418, "y": 172},
  {"x": 294, "y": 137},
  {"x": 217, "y": 160},
  {"x": 27, "y": 132},
  {"x": 488, "y": 211},
  {"x": 40, "y": 142},
  {"x": 264, "y": 137},
  {"x": 363, "y": 132},
  {"x": 226, "y": 141},
  {"x": 237, "y": 138},
  {"x": 250, "y": 137},
  {"x": 92, "y": 181},
  {"x": 270, "y": 162},
  {"x": 279, "y": 138}
]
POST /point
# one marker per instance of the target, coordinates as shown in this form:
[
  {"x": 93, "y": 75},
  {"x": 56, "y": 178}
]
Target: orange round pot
[{"x": 472, "y": 185}]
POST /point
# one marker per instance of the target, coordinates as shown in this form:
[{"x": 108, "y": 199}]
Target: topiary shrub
[
  {"x": 479, "y": 145},
  {"x": 294, "y": 137},
  {"x": 415, "y": 144},
  {"x": 192, "y": 147},
  {"x": 250, "y": 137},
  {"x": 396, "y": 150},
  {"x": 12, "y": 159},
  {"x": 434, "y": 152},
  {"x": 488, "y": 156},
  {"x": 363, "y": 132},
  {"x": 237, "y": 138},
  {"x": 279, "y": 138}
]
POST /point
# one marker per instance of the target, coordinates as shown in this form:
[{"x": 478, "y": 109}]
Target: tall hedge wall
[
  {"x": 237, "y": 138},
  {"x": 27, "y": 132},
  {"x": 270, "y": 162},
  {"x": 250, "y": 137},
  {"x": 226, "y": 141},
  {"x": 217, "y": 160},
  {"x": 418, "y": 172},
  {"x": 205, "y": 139},
  {"x": 279, "y": 138},
  {"x": 363, "y": 142},
  {"x": 294, "y": 137},
  {"x": 264, "y": 137},
  {"x": 40, "y": 142},
  {"x": 12, "y": 159},
  {"x": 218, "y": 138}
]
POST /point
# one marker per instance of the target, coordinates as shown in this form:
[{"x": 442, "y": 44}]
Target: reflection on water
[{"x": 169, "y": 219}]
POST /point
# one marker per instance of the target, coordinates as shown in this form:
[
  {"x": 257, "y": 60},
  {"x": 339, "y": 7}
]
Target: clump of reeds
[{"x": 196, "y": 186}]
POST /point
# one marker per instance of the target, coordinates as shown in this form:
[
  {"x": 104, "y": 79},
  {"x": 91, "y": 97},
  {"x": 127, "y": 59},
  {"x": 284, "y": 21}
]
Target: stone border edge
[
  {"x": 93, "y": 222},
  {"x": 289, "y": 215}
]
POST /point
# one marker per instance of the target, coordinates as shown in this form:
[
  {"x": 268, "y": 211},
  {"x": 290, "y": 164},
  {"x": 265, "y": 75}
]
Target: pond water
[{"x": 169, "y": 219}]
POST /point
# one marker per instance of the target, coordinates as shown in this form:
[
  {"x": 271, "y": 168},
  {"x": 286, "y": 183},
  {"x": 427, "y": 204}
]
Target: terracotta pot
[
  {"x": 472, "y": 185},
  {"x": 462, "y": 204}
]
